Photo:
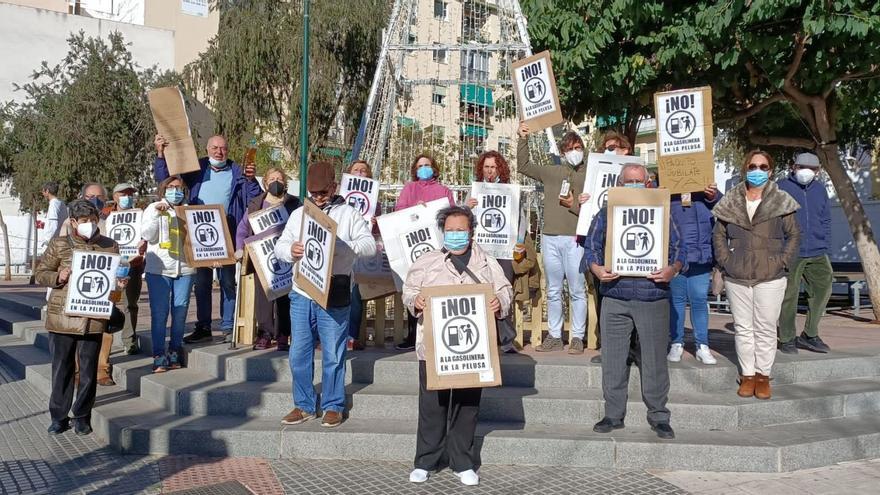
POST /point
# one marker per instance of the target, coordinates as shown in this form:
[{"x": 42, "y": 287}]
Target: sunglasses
[
  {"x": 763, "y": 166},
  {"x": 611, "y": 148},
  {"x": 325, "y": 192}
]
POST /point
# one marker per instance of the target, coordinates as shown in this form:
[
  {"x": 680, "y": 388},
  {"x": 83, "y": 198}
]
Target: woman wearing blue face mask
[
  {"x": 123, "y": 198},
  {"x": 460, "y": 262},
  {"x": 756, "y": 239},
  {"x": 169, "y": 278}
]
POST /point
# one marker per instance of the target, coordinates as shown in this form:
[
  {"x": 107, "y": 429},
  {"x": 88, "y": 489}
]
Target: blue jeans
[
  {"x": 308, "y": 320},
  {"x": 692, "y": 286},
  {"x": 168, "y": 294},
  {"x": 204, "y": 280},
  {"x": 357, "y": 308},
  {"x": 562, "y": 260}
]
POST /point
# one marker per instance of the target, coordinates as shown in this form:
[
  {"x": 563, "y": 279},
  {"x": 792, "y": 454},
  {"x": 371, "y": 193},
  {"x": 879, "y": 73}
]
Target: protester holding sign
[
  {"x": 695, "y": 222},
  {"x": 492, "y": 168},
  {"x": 638, "y": 302},
  {"x": 360, "y": 168},
  {"x": 273, "y": 317},
  {"x": 219, "y": 181},
  {"x": 424, "y": 187},
  {"x": 169, "y": 277},
  {"x": 307, "y": 317},
  {"x": 128, "y": 225},
  {"x": 71, "y": 336},
  {"x": 562, "y": 254},
  {"x": 756, "y": 239},
  {"x": 461, "y": 261}
]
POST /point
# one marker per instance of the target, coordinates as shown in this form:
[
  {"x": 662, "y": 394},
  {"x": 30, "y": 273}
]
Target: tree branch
[
  {"x": 848, "y": 77},
  {"x": 788, "y": 142},
  {"x": 752, "y": 110},
  {"x": 787, "y": 85}
]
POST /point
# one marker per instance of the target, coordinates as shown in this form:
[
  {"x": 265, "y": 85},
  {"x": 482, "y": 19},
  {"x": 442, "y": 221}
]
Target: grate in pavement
[{"x": 225, "y": 488}]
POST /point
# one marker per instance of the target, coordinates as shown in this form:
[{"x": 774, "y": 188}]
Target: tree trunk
[
  {"x": 7, "y": 271},
  {"x": 859, "y": 224}
]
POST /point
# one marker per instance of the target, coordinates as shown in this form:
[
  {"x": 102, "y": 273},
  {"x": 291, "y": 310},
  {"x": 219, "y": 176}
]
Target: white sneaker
[
  {"x": 675, "y": 352},
  {"x": 418, "y": 476},
  {"x": 469, "y": 477},
  {"x": 704, "y": 354}
]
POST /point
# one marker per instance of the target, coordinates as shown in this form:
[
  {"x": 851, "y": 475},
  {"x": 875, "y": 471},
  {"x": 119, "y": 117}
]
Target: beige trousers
[{"x": 755, "y": 313}]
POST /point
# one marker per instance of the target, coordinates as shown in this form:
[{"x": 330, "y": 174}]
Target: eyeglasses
[
  {"x": 763, "y": 166},
  {"x": 325, "y": 192}
]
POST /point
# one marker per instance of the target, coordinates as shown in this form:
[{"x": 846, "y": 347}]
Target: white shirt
[
  {"x": 353, "y": 239},
  {"x": 55, "y": 217},
  {"x": 752, "y": 206}
]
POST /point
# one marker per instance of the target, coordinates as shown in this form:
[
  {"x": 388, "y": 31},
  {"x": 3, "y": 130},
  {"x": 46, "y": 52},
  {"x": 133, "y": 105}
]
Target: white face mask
[
  {"x": 86, "y": 229},
  {"x": 574, "y": 157},
  {"x": 804, "y": 176}
]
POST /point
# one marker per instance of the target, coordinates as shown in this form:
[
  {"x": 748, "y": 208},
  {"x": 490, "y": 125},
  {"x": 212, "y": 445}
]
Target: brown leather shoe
[
  {"x": 762, "y": 386},
  {"x": 297, "y": 416},
  {"x": 332, "y": 419},
  {"x": 746, "y": 386}
]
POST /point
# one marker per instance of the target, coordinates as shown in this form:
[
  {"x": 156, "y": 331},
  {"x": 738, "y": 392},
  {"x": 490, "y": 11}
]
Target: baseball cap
[
  {"x": 807, "y": 160},
  {"x": 320, "y": 176},
  {"x": 123, "y": 186}
]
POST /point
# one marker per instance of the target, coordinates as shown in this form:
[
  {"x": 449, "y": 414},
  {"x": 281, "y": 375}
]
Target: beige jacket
[{"x": 435, "y": 268}]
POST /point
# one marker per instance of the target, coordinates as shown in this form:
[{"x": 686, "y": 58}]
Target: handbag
[{"x": 339, "y": 295}]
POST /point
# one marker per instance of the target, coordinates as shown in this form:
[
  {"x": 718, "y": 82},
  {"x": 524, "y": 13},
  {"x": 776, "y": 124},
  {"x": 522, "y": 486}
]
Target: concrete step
[{"x": 23, "y": 304}]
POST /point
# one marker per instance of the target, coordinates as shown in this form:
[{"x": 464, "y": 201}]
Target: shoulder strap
[{"x": 461, "y": 267}]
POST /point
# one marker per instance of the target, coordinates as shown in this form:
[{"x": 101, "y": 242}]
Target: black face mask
[{"x": 276, "y": 189}]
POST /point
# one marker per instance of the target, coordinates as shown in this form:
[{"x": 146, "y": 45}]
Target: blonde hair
[
  {"x": 350, "y": 167},
  {"x": 272, "y": 170}
]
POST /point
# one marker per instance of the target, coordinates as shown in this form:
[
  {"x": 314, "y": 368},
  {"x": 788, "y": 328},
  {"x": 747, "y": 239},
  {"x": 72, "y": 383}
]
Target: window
[
  {"x": 440, "y": 55},
  {"x": 440, "y": 9},
  {"x": 504, "y": 146},
  {"x": 652, "y": 156},
  {"x": 411, "y": 39},
  {"x": 475, "y": 66},
  {"x": 438, "y": 96}
]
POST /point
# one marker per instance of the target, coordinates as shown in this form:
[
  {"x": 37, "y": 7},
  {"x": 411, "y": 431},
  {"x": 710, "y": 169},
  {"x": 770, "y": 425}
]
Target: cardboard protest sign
[
  {"x": 172, "y": 123},
  {"x": 92, "y": 278},
  {"x": 275, "y": 275},
  {"x": 685, "y": 153},
  {"x": 314, "y": 270},
  {"x": 124, "y": 227},
  {"x": 374, "y": 276},
  {"x": 267, "y": 218},
  {"x": 410, "y": 233},
  {"x": 535, "y": 89},
  {"x": 207, "y": 239},
  {"x": 497, "y": 213},
  {"x": 360, "y": 193},
  {"x": 459, "y": 336},
  {"x": 602, "y": 172},
  {"x": 637, "y": 240}
]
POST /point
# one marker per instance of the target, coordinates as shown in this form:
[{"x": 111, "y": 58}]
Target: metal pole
[{"x": 304, "y": 110}]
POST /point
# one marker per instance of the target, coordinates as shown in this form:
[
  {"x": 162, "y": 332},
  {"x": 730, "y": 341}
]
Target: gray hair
[
  {"x": 79, "y": 208},
  {"x": 82, "y": 192},
  {"x": 628, "y": 166},
  {"x": 453, "y": 211}
]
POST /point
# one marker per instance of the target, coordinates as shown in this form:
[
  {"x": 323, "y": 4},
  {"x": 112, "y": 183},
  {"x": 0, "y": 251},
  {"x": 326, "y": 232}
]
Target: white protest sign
[
  {"x": 267, "y": 218},
  {"x": 92, "y": 277},
  {"x": 638, "y": 239},
  {"x": 410, "y": 233},
  {"x": 360, "y": 193},
  {"x": 374, "y": 276},
  {"x": 602, "y": 172},
  {"x": 314, "y": 270},
  {"x": 535, "y": 89},
  {"x": 208, "y": 240},
  {"x": 680, "y": 123},
  {"x": 124, "y": 227},
  {"x": 497, "y": 213},
  {"x": 275, "y": 275}
]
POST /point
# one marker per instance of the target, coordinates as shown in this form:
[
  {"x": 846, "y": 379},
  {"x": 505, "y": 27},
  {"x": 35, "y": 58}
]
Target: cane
[{"x": 235, "y": 325}]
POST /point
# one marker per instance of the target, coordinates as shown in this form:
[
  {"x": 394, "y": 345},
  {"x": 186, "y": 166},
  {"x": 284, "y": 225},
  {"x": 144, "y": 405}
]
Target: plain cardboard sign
[
  {"x": 459, "y": 337},
  {"x": 535, "y": 89},
  {"x": 409, "y": 233},
  {"x": 602, "y": 173},
  {"x": 685, "y": 155},
  {"x": 92, "y": 277},
  {"x": 267, "y": 218},
  {"x": 207, "y": 236},
  {"x": 361, "y": 193},
  {"x": 275, "y": 275},
  {"x": 315, "y": 269},
  {"x": 637, "y": 240},
  {"x": 172, "y": 123},
  {"x": 124, "y": 227},
  {"x": 497, "y": 213}
]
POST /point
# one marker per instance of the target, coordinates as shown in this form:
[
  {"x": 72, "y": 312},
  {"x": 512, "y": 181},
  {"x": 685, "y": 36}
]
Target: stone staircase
[{"x": 229, "y": 403}]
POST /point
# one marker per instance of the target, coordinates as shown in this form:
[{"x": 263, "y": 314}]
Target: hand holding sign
[
  {"x": 664, "y": 275},
  {"x": 495, "y": 305},
  {"x": 63, "y": 276},
  {"x": 523, "y": 130},
  {"x": 297, "y": 250},
  {"x": 419, "y": 303},
  {"x": 602, "y": 273}
]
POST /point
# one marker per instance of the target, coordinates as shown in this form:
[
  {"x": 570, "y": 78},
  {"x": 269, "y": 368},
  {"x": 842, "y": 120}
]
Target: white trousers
[{"x": 755, "y": 313}]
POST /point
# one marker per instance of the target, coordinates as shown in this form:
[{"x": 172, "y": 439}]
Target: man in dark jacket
[
  {"x": 813, "y": 265},
  {"x": 633, "y": 302},
  {"x": 219, "y": 180}
]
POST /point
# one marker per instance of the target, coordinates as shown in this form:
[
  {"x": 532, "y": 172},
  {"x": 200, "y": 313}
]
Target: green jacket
[{"x": 558, "y": 220}]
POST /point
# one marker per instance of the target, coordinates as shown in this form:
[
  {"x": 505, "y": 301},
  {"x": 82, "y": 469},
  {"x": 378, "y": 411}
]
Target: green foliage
[
  {"x": 250, "y": 73},
  {"x": 86, "y": 119}
]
